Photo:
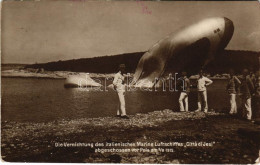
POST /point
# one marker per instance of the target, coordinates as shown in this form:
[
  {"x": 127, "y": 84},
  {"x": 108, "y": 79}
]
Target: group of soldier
[{"x": 246, "y": 86}]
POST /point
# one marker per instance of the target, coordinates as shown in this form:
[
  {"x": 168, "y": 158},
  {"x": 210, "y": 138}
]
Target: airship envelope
[
  {"x": 80, "y": 81},
  {"x": 211, "y": 35}
]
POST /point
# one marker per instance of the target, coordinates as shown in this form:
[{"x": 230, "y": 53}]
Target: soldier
[
  {"x": 252, "y": 76},
  {"x": 232, "y": 85},
  {"x": 247, "y": 90},
  {"x": 184, "y": 93},
  {"x": 119, "y": 86},
  {"x": 202, "y": 82}
]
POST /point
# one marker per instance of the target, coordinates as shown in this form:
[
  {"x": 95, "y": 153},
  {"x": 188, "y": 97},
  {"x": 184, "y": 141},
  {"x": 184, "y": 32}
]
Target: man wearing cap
[
  {"x": 184, "y": 93},
  {"x": 119, "y": 86},
  {"x": 202, "y": 82}
]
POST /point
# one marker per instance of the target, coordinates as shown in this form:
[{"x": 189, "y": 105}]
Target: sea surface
[{"x": 44, "y": 100}]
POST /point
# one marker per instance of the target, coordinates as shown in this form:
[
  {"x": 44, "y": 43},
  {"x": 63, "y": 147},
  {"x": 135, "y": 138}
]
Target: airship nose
[{"x": 228, "y": 33}]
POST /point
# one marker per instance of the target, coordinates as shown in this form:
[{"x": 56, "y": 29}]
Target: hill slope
[{"x": 109, "y": 64}]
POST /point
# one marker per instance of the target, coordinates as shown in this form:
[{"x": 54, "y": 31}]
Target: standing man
[
  {"x": 247, "y": 90},
  {"x": 184, "y": 93},
  {"x": 232, "y": 85},
  {"x": 252, "y": 75},
  {"x": 256, "y": 97},
  {"x": 202, "y": 82},
  {"x": 119, "y": 86},
  {"x": 257, "y": 83}
]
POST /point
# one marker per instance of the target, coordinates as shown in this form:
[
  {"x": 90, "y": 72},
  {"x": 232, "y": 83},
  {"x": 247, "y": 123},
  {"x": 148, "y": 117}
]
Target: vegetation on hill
[
  {"x": 104, "y": 64},
  {"x": 235, "y": 59}
]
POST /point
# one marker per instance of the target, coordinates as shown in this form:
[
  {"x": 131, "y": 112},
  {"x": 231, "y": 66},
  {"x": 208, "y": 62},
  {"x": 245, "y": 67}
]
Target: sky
[{"x": 44, "y": 31}]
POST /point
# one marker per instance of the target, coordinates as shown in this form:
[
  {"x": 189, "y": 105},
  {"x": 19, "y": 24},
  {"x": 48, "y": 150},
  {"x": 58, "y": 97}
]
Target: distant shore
[
  {"x": 25, "y": 73},
  {"x": 33, "y": 73}
]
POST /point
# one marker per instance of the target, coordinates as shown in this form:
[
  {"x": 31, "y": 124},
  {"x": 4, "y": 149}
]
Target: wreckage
[{"x": 194, "y": 45}]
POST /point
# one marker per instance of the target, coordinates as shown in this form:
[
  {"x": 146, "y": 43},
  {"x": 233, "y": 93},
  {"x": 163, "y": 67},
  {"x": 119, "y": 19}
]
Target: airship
[
  {"x": 194, "y": 46},
  {"x": 81, "y": 81}
]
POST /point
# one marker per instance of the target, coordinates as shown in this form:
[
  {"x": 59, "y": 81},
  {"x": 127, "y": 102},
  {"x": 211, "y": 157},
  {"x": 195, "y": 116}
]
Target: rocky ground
[{"x": 226, "y": 139}]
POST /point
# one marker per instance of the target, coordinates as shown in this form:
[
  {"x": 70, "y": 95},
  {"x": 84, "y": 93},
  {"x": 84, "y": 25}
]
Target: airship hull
[
  {"x": 212, "y": 34},
  {"x": 80, "y": 81}
]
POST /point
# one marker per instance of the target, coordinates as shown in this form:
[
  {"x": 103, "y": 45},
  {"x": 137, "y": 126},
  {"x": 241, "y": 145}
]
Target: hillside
[
  {"x": 109, "y": 64},
  {"x": 104, "y": 64}
]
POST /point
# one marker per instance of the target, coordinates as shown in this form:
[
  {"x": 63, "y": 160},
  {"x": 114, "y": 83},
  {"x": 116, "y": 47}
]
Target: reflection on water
[{"x": 40, "y": 100}]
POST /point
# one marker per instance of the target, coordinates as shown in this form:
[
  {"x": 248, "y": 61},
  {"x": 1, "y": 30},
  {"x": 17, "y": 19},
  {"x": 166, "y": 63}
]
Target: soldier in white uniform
[
  {"x": 202, "y": 82},
  {"x": 247, "y": 91},
  {"x": 232, "y": 86},
  {"x": 119, "y": 86},
  {"x": 184, "y": 93}
]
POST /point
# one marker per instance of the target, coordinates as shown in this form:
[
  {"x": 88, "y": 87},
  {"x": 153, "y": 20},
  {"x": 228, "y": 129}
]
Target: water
[{"x": 43, "y": 100}]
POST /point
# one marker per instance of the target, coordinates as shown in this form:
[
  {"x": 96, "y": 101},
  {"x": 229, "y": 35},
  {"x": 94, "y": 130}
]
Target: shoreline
[
  {"x": 224, "y": 138},
  {"x": 23, "y": 73},
  {"x": 20, "y": 73},
  {"x": 11, "y": 129}
]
